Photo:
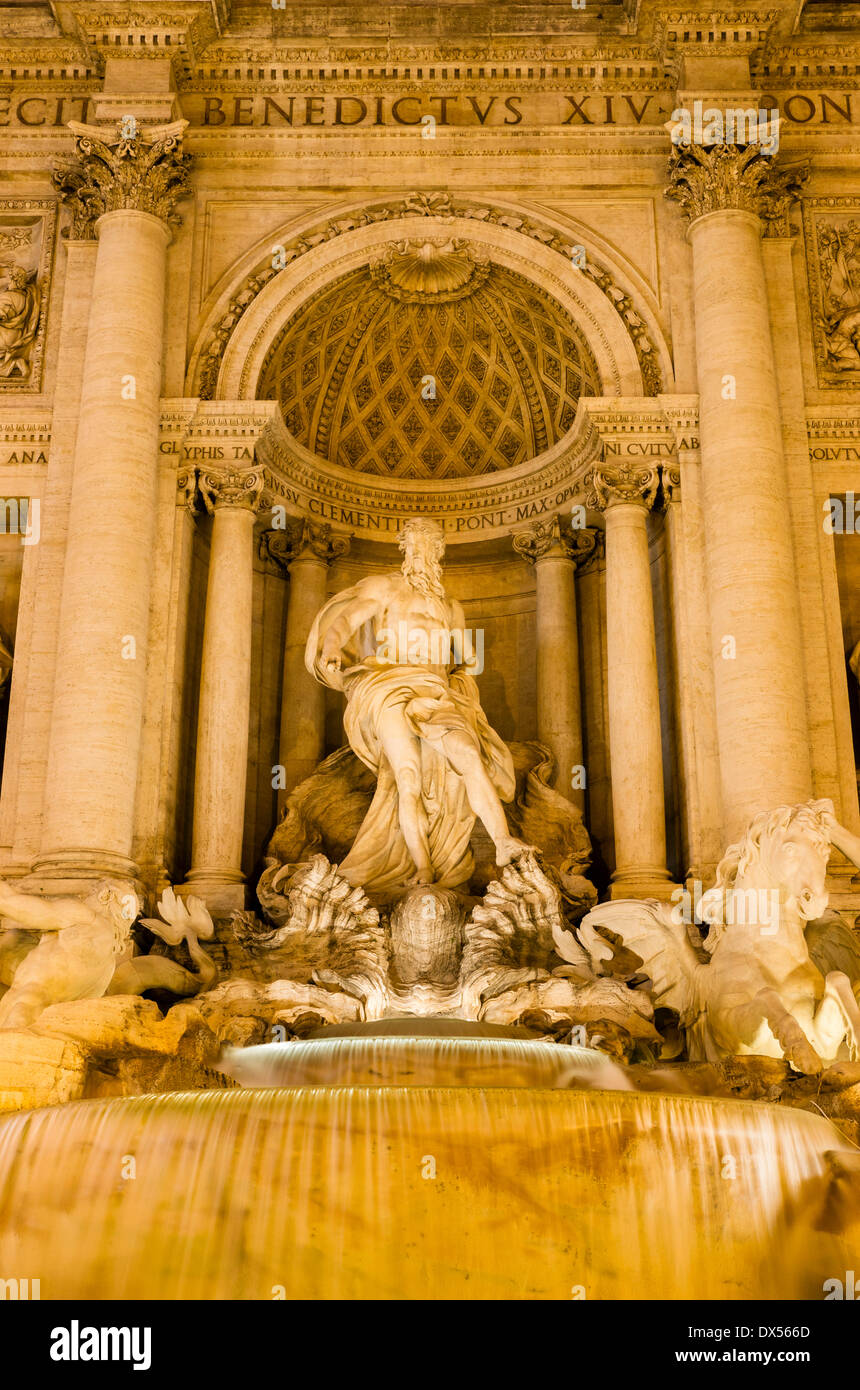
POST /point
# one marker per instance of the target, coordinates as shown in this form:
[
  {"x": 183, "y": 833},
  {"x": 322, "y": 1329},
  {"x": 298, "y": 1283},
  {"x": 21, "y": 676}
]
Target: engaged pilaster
[
  {"x": 556, "y": 554},
  {"x": 625, "y": 493},
  {"x": 233, "y": 497},
  {"x": 122, "y": 191},
  {"x": 725, "y": 191},
  {"x": 305, "y": 550}
]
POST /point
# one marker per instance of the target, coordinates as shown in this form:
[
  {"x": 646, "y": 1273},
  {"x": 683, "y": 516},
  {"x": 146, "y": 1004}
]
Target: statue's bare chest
[{"x": 415, "y": 610}]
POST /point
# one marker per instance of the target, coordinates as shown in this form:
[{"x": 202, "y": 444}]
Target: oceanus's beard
[{"x": 424, "y": 574}]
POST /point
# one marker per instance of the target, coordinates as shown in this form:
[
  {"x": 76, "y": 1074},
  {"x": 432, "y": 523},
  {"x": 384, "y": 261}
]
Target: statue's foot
[
  {"x": 420, "y": 878},
  {"x": 510, "y": 848}
]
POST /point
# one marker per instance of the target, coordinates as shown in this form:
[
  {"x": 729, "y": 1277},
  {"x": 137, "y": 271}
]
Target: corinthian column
[
  {"x": 305, "y": 551},
  {"x": 123, "y": 191},
  {"x": 223, "y": 723},
  {"x": 762, "y": 724},
  {"x": 556, "y": 554},
  {"x": 626, "y": 494}
]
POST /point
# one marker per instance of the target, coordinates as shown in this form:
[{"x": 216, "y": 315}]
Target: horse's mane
[{"x": 741, "y": 856}]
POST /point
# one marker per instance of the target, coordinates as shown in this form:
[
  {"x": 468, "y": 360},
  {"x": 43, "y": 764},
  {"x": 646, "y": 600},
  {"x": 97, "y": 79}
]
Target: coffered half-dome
[{"x": 430, "y": 362}]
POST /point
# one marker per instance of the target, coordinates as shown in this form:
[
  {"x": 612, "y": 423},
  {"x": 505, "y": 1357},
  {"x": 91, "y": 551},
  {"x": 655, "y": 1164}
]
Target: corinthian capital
[
  {"x": 608, "y": 485},
  {"x": 302, "y": 539},
  {"x": 542, "y": 539},
  {"x": 234, "y": 487},
  {"x": 710, "y": 178},
  {"x": 146, "y": 172}
]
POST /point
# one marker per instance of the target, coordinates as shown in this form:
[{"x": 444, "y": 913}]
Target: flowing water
[{"x": 424, "y": 1167}]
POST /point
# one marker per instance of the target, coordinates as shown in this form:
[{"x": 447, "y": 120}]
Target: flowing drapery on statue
[{"x": 398, "y": 649}]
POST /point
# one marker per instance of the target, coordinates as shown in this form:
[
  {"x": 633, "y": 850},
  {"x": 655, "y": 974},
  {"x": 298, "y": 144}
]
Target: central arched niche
[{"x": 431, "y": 361}]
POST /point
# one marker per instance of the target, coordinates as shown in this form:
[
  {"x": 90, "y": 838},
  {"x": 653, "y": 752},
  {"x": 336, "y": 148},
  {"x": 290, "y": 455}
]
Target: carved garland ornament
[{"x": 430, "y": 205}]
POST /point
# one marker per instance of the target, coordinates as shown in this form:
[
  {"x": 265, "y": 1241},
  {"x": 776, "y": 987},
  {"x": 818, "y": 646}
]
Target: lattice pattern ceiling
[{"x": 508, "y": 364}]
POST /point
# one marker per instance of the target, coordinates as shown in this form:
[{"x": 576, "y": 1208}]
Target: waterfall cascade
[{"x": 424, "y": 1166}]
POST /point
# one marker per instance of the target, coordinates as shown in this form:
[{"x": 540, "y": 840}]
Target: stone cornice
[
  {"x": 212, "y": 435},
  {"x": 179, "y": 29},
  {"x": 634, "y": 436},
  {"x": 643, "y": 443},
  {"x": 682, "y": 412},
  {"x": 638, "y": 428},
  {"x": 835, "y": 425},
  {"x": 25, "y": 436},
  {"x": 643, "y": 41}
]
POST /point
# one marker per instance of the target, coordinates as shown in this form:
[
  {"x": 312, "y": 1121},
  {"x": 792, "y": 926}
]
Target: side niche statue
[
  {"x": 751, "y": 986},
  {"x": 396, "y": 646},
  {"x": 20, "y": 301}
]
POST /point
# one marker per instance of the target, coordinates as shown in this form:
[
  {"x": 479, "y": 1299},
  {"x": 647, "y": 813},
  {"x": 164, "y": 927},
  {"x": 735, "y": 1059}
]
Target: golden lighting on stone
[{"x": 352, "y": 369}]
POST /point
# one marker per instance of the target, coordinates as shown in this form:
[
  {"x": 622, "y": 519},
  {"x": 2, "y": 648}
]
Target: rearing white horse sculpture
[{"x": 751, "y": 986}]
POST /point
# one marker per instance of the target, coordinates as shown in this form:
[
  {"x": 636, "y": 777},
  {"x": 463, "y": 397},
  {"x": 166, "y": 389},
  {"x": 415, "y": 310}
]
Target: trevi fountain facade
[{"x": 429, "y": 829}]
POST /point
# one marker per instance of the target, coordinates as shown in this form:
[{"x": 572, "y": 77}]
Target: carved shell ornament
[
  {"x": 418, "y": 205},
  {"x": 430, "y": 272}
]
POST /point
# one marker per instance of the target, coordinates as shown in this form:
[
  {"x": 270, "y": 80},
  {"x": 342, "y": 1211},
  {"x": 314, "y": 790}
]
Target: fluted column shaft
[
  {"x": 104, "y": 618},
  {"x": 762, "y": 723},
  {"x": 225, "y": 692},
  {"x": 635, "y": 743},
  {"x": 555, "y": 555}
]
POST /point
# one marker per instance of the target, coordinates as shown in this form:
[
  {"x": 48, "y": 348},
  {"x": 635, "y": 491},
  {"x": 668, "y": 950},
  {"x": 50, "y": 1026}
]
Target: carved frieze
[
  {"x": 26, "y": 252},
  {"x": 832, "y": 235}
]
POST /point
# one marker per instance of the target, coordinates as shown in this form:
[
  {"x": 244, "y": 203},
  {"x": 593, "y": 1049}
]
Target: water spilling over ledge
[
  {"x": 422, "y": 1052},
  {"x": 424, "y": 1167}
]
